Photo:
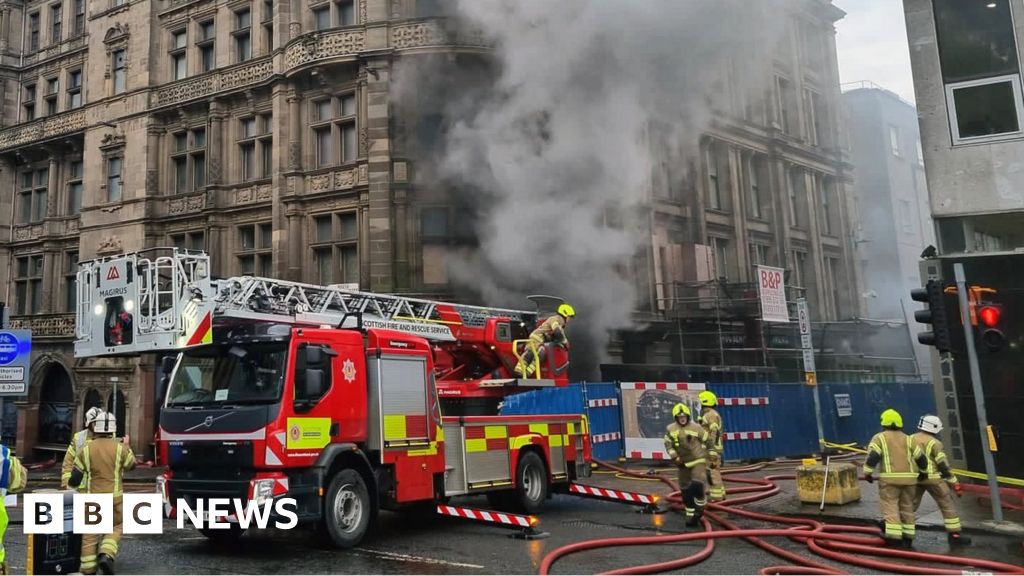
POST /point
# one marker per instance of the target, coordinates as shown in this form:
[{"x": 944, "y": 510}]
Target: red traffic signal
[{"x": 989, "y": 316}]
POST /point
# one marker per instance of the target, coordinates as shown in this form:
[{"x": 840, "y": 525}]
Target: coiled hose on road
[{"x": 836, "y": 542}]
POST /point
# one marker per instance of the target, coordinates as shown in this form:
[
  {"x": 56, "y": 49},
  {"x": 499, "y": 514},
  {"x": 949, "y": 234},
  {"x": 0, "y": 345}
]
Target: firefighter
[
  {"x": 13, "y": 478},
  {"x": 551, "y": 330},
  {"x": 101, "y": 466},
  {"x": 896, "y": 456},
  {"x": 77, "y": 443},
  {"x": 688, "y": 444},
  {"x": 711, "y": 420},
  {"x": 940, "y": 477}
]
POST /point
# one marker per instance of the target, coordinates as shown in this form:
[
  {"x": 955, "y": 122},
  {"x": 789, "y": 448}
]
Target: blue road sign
[{"x": 15, "y": 356}]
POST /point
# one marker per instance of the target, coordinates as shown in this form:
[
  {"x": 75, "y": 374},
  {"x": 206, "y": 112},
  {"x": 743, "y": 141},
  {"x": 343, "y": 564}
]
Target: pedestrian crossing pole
[{"x": 810, "y": 372}]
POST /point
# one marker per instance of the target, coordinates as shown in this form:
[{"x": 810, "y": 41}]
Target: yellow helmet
[
  {"x": 892, "y": 418},
  {"x": 708, "y": 398},
  {"x": 680, "y": 409},
  {"x": 567, "y": 310}
]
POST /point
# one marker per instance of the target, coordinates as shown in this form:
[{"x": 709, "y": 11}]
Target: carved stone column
[
  {"x": 296, "y": 258},
  {"x": 401, "y": 246},
  {"x": 294, "y": 134},
  {"x": 215, "y": 146},
  {"x": 153, "y": 136}
]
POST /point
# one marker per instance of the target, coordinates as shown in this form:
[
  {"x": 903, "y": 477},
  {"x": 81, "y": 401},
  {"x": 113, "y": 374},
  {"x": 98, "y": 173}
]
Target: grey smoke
[{"x": 557, "y": 143}]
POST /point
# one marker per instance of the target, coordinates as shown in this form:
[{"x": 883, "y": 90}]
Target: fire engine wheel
[
  {"x": 531, "y": 483},
  {"x": 348, "y": 509}
]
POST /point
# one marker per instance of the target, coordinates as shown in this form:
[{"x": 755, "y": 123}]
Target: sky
[{"x": 872, "y": 45}]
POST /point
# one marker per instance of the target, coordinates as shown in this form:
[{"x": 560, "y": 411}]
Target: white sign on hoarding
[{"x": 772, "y": 290}]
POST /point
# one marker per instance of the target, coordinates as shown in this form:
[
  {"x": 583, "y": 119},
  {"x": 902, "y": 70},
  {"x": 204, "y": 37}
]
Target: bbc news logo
[{"x": 142, "y": 513}]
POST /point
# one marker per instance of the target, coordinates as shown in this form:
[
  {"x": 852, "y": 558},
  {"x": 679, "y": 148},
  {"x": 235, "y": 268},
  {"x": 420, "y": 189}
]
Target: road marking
[{"x": 408, "y": 558}]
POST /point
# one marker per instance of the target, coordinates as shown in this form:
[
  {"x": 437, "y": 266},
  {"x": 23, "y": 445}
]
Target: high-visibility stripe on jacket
[
  {"x": 13, "y": 478},
  {"x": 899, "y": 459},
  {"x": 77, "y": 444},
  {"x": 688, "y": 443},
  {"x": 104, "y": 461},
  {"x": 711, "y": 420},
  {"x": 932, "y": 449}
]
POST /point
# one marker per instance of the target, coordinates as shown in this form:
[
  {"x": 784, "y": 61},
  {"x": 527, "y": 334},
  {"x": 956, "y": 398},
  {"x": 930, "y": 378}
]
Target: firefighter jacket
[
  {"x": 898, "y": 460},
  {"x": 938, "y": 466},
  {"x": 77, "y": 444},
  {"x": 551, "y": 330},
  {"x": 689, "y": 444},
  {"x": 711, "y": 420},
  {"x": 104, "y": 461},
  {"x": 13, "y": 478}
]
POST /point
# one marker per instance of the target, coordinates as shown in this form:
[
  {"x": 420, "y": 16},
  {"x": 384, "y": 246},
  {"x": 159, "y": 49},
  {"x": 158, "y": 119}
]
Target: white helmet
[
  {"x": 106, "y": 424},
  {"x": 930, "y": 423},
  {"x": 92, "y": 415}
]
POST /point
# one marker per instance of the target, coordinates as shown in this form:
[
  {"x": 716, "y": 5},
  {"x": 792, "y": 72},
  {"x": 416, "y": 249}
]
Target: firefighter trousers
[
  {"x": 897, "y": 503},
  {"x": 716, "y": 487},
  {"x": 95, "y": 544},
  {"x": 692, "y": 487},
  {"x": 943, "y": 496}
]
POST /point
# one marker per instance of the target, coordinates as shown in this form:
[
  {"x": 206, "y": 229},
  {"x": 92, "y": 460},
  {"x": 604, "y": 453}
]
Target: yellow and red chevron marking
[
  {"x": 204, "y": 332},
  {"x": 617, "y": 495},
  {"x": 487, "y": 516}
]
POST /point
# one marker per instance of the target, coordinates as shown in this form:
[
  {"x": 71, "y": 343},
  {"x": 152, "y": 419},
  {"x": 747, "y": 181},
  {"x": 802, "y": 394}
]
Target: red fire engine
[{"x": 330, "y": 396}]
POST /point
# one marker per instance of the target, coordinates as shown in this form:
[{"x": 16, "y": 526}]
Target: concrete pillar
[
  {"x": 381, "y": 249},
  {"x": 296, "y": 258},
  {"x": 401, "y": 241}
]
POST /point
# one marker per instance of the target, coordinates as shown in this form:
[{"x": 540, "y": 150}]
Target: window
[
  {"x": 720, "y": 253},
  {"x": 784, "y": 105},
  {"x": 920, "y": 154},
  {"x": 335, "y": 250},
  {"x": 906, "y": 216},
  {"x": 800, "y": 278},
  {"x": 29, "y": 102},
  {"x": 188, "y": 158},
  {"x": 118, "y": 67},
  {"x": 268, "y": 25},
  {"x": 205, "y": 44},
  {"x": 429, "y": 8},
  {"x": 255, "y": 250},
  {"x": 79, "y": 17},
  {"x": 56, "y": 21},
  {"x": 335, "y": 120},
  {"x": 32, "y": 198},
  {"x": 978, "y": 54},
  {"x": 796, "y": 188},
  {"x": 114, "y": 179},
  {"x": 894, "y": 140},
  {"x": 753, "y": 167},
  {"x": 52, "y": 88},
  {"x": 74, "y": 89},
  {"x": 179, "y": 61},
  {"x": 322, "y": 17},
  {"x": 70, "y": 281},
  {"x": 833, "y": 281},
  {"x": 758, "y": 254},
  {"x": 256, "y": 147},
  {"x": 825, "y": 193},
  {"x": 813, "y": 107},
  {"x": 75, "y": 170},
  {"x": 191, "y": 241},
  {"x": 118, "y": 3},
  {"x": 346, "y": 12},
  {"x": 33, "y": 32},
  {"x": 243, "y": 35},
  {"x": 28, "y": 285},
  {"x": 714, "y": 180}
]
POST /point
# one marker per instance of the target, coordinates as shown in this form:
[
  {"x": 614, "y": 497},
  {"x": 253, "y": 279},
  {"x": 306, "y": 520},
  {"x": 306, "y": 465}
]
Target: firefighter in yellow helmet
[
  {"x": 940, "y": 478},
  {"x": 101, "y": 466},
  {"x": 711, "y": 420},
  {"x": 551, "y": 330},
  {"x": 688, "y": 444},
  {"x": 901, "y": 465},
  {"x": 77, "y": 443},
  {"x": 13, "y": 478}
]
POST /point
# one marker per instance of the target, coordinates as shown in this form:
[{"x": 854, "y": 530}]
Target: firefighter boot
[
  {"x": 908, "y": 543},
  {"x": 958, "y": 539},
  {"x": 105, "y": 564}
]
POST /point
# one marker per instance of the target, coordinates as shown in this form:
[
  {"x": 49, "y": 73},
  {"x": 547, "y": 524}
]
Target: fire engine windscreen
[{"x": 212, "y": 375}]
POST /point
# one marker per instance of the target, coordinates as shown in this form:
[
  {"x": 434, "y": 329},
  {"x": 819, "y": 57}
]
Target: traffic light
[
  {"x": 934, "y": 313},
  {"x": 991, "y": 333}
]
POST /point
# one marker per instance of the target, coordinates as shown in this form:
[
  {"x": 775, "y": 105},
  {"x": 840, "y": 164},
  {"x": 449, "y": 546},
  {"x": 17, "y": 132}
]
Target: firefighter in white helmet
[
  {"x": 940, "y": 477},
  {"x": 77, "y": 443},
  {"x": 551, "y": 330},
  {"x": 99, "y": 469}
]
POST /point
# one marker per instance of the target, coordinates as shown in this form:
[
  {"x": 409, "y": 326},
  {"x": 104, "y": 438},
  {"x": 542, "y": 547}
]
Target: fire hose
[{"x": 835, "y": 542}]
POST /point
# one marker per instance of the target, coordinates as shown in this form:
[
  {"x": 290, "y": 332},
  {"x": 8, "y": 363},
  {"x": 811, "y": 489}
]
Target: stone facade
[{"x": 239, "y": 128}]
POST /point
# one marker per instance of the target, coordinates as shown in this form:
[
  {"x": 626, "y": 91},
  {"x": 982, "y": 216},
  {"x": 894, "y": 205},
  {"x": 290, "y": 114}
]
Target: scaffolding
[{"x": 720, "y": 323}]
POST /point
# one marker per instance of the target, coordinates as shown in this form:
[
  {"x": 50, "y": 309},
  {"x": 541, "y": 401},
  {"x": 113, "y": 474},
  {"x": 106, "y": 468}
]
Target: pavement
[{"x": 406, "y": 543}]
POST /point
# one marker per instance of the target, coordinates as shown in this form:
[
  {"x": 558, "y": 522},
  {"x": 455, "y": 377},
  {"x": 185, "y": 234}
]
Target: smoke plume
[{"x": 553, "y": 151}]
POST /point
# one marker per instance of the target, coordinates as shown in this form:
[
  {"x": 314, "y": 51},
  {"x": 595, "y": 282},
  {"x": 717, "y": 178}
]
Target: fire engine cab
[{"x": 349, "y": 402}]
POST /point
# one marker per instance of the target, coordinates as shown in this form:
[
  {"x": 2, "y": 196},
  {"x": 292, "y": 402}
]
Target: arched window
[
  {"x": 92, "y": 400},
  {"x": 56, "y": 407}
]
